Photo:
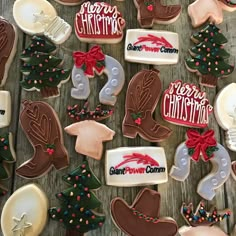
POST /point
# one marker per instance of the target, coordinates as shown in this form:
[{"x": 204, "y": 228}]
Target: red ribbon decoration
[
  {"x": 89, "y": 59},
  {"x": 200, "y": 143}
]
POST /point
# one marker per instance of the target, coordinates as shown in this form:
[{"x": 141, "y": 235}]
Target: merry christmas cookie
[
  {"x": 87, "y": 64},
  {"x": 8, "y": 44},
  {"x": 142, "y": 217},
  {"x": 5, "y": 108},
  {"x": 90, "y": 136},
  {"x": 143, "y": 94},
  {"x": 185, "y": 104},
  {"x": 202, "y": 146},
  {"x": 41, "y": 70},
  {"x": 78, "y": 201},
  {"x": 43, "y": 129},
  {"x": 99, "y": 22},
  {"x": 151, "y": 47},
  {"x": 25, "y": 212},
  {"x": 152, "y": 11},
  {"x": 228, "y": 5},
  {"x": 135, "y": 166},
  {"x": 209, "y": 55}
]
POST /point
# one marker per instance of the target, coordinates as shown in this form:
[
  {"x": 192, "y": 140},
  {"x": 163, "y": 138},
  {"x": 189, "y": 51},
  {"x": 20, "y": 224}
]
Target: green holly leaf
[
  {"x": 191, "y": 151},
  {"x": 211, "y": 150}
]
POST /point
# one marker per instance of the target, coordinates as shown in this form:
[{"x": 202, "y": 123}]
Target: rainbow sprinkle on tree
[
  {"x": 209, "y": 55},
  {"x": 77, "y": 201}
]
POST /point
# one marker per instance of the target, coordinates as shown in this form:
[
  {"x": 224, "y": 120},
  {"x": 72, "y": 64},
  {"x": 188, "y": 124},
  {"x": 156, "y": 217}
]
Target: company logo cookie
[
  {"x": 155, "y": 47},
  {"x": 99, "y": 22},
  {"x": 136, "y": 166},
  {"x": 185, "y": 104}
]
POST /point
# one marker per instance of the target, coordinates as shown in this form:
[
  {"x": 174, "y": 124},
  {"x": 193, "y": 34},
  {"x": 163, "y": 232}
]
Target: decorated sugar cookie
[
  {"x": 87, "y": 64},
  {"x": 143, "y": 216},
  {"x": 78, "y": 201},
  {"x": 25, "y": 212},
  {"x": 40, "y": 17},
  {"x": 142, "y": 96},
  {"x": 41, "y": 70},
  {"x": 206, "y": 148},
  {"x": 152, "y": 11},
  {"x": 90, "y": 136},
  {"x": 185, "y": 104},
  {"x": 151, "y": 47},
  {"x": 43, "y": 129},
  {"x": 208, "y": 56},
  {"x": 134, "y": 166},
  {"x": 5, "y": 108},
  {"x": 99, "y": 22},
  {"x": 201, "y": 231},
  {"x": 228, "y": 5},
  {"x": 8, "y": 44}
]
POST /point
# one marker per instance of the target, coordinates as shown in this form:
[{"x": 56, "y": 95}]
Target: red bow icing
[
  {"x": 90, "y": 60},
  {"x": 199, "y": 143}
]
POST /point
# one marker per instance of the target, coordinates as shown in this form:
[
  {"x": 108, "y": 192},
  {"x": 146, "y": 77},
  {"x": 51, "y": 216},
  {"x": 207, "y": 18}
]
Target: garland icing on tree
[
  {"x": 77, "y": 201},
  {"x": 40, "y": 68},
  {"x": 208, "y": 56}
]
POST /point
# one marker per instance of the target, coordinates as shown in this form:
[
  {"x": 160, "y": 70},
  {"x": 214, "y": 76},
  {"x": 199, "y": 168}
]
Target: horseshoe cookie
[
  {"x": 205, "y": 147},
  {"x": 94, "y": 61}
]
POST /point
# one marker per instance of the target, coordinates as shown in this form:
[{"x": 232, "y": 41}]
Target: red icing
[
  {"x": 99, "y": 20},
  {"x": 185, "y": 104},
  {"x": 200, "y": 143}
]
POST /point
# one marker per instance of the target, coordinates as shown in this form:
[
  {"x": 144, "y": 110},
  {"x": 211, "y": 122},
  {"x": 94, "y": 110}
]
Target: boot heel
[
  {"x": 61, "y": 163},
  {"x": 129, "y": 131}
]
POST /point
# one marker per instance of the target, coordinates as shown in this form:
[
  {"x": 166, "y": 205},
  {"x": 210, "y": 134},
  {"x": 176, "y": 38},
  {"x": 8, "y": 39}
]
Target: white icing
[
  {"x": 21, "y": 225},
  {"x": 135, "y": 173},
  {"x": 5, "y": 108}
]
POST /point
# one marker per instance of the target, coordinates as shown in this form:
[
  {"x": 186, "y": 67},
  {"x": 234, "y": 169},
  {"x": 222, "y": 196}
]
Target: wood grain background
[{"x": 173, "y": 193}]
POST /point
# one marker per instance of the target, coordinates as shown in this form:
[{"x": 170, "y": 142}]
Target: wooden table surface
[{"x": 173, "y": 193}]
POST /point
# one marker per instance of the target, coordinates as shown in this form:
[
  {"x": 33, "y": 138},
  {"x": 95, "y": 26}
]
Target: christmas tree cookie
[
  {"x": 41, "y": 70},
  {"x": 209, "y": 55},
  {"x": 77, "y": 201}
]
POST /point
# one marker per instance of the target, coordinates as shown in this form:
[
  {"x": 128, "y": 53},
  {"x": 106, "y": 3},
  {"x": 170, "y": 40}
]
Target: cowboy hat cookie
[
  {"x": 206, "y": 148},
  {"x": 25, "y": 212},
  {"x": 41, "y": 70},
  {"x": 228, "y": 5},
  {"x": 40, "y": 18},
  {"x": 142, "y": 217},
  {"x": 153, "y": 11},
  {"x": 143, "y": 94},
  {"x": 134, "y": 166},
  {"x": 87, "y": 64},
  {"x": 151, "y": 47},
  {"x": 43, "y": 129},
  {"x": 8, "y": 46},
  {"x": 5, "y": 108},
  {"x": 185, "y": 104},
  {"x": 208, "y": 56},
  {"x": 90, "y": 136},
  {"x": 99, "y": 22}
]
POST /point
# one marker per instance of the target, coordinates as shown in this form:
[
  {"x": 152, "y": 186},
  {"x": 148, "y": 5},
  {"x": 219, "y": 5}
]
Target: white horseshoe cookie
[
  {"x": 94, "y": 61},
  {"x": 205, "y": 147},
  {"x": 5, "y": 108}
]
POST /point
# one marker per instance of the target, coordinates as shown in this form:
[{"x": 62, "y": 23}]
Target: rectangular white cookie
[
  {"x": 151, "y": 47},
  {"x": 134, "y": 166},
  {"x": 5, "y": 108}
]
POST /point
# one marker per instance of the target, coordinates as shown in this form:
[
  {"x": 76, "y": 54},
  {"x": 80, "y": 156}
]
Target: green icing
[{"x": 77, "y": 201}]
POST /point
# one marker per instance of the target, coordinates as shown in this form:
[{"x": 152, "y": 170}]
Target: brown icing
[
  {"x": 142, "y": 217},
  {"x": 142, "y": 96},
  {"x": 42, "y": 127},
  {"x": 150, "y": 11},
  {"x": 7, "y": 38}
]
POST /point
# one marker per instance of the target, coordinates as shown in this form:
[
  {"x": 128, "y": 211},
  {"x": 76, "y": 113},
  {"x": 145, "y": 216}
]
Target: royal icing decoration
[
  {"x": 25, "y": 212},
  {"x": 40, "y": 17},
  {"x": 151, "y": 47},
  {"x": 5, "y": 108},
  {"x": 225, "y": 113},
  {"x": 136, "y": 166},
  {"x": 185, "y": 104},
  {"x": 42, "y": 128},
  {"x": 208, "y": 56},
  {"x": 99, "y": 22},
  {"x": 41, "y": 70},
  {"x": 202, "y": 146},
  {"x": 87, "y": 64},
  {"x": 78, "y": 201}
]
